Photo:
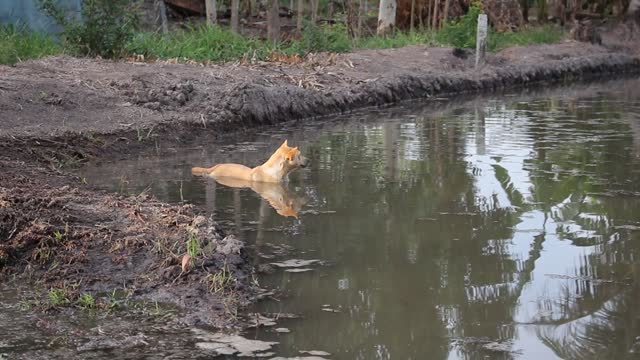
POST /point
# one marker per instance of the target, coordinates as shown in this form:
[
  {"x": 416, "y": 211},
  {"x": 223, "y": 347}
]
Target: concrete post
[
  {"x": 212, "y": 14},
  {"x": 481, "y": 39}
]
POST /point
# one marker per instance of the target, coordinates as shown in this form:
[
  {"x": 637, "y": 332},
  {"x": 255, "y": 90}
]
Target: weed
[
  {"x": 18, "y": 44},
  {"x": 57, "y": 236},
  {"x": 220, "y": 281},
  {"x": 59, "y": 297},
  {"x": 43, "y": 254},
  {"x": 86, "y": 301},
  {"x": 28, "y": 304},
  {"x": 193, "y": 246}
]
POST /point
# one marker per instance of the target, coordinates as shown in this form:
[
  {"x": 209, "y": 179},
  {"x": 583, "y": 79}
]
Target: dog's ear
[
  {"x": 291, "y": 153},
  {"x": 284, "y": 144}
]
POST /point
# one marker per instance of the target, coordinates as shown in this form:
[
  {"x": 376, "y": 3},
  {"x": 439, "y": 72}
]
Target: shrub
[
  {"x": 104, "y": 28},
  {"x": 462, "y": 31}
]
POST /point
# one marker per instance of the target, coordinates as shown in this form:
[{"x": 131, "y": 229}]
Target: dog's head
[{"x": 293, "y": 158}]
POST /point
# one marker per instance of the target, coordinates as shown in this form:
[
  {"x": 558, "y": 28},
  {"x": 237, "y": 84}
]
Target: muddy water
[{"x": 500, "y": 228}]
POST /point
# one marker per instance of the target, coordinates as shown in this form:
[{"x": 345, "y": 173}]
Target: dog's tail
[{"x": 202, "y": 171}]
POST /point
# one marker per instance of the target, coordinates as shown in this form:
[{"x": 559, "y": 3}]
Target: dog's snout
[{"x": 304, "y": 162}]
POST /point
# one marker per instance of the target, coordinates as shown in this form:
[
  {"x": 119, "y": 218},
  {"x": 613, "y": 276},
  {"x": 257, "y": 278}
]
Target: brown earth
[{"x": 61, "y": 111}]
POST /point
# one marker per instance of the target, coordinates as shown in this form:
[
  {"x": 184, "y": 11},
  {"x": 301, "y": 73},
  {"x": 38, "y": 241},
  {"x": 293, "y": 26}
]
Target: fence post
[{"x": 481, "y": 39}]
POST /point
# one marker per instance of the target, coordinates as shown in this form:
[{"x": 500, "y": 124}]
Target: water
[{"x": 501, "y": 228}]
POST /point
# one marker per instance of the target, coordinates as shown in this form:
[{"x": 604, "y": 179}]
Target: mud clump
[{"x": 175, "y": 95}]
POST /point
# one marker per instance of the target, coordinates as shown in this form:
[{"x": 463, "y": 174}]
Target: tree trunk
[
  {"x": 413, "y": 15},
  {"x": 434, "y": 23},
  {"x": 386, "y": 17},
  {"x": 361, "y": 15},
  {"x": 314, "y": 11},
  {"x": 445, "y": 15},
  {"x": 212, "y": 14},
  {"x": 273, "y": 20},
  {"x": 429, "y": 14},
  {"x": 634, "y": 6},
  {"x": 330, "y": 9},
  {"x": 235, "y": 8},
  {"x": 524, "y": 4},
  {"x": 542, "y": 11},
  {"x": 300, "y": 15},
  {"x": 351, "y": 18}
]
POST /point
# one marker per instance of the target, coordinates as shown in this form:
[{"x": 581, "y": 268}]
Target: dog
[
  {"x": 285, "y": 202},
  {"x": 275, "y": 170}
]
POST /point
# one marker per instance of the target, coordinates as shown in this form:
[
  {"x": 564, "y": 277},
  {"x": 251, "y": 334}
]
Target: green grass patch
[
  {"x": 547, "y": 34},
  {"x": 200, "y": 43},
  {"x": 397, "y": 40},
  {"x": 18, "y": 44}
]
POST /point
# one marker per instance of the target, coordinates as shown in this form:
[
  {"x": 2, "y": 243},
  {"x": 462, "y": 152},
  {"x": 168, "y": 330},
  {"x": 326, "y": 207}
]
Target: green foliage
[
  {"x": 200, "y": 43},
  {"x": 19, "y": 44},
  {"x": 105, "y": 28},
  {"x": 547, "y": 34},
  {"x": 461, "y": 32}
]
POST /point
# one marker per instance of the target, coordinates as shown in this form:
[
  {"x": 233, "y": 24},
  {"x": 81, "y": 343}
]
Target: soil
[{"x": 62, "y": 111}]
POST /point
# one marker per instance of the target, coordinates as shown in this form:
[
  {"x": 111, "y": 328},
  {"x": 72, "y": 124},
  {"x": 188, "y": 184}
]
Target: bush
[
  {"x": 461, "y": 32},
  {"x": 104, "y": 28},
  {"x": 18, "y": 44}
]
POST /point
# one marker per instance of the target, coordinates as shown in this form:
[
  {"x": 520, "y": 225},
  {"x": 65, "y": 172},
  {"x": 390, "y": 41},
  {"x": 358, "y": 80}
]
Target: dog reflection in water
[
  {"x": 285, "y": 202},
  {"x": 265, "y": 179}
]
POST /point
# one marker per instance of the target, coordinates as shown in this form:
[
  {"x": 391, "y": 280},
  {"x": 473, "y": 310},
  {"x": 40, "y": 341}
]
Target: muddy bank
[
  {"x": 58, "y": 112},
  {"x": 62, "y": 236}
]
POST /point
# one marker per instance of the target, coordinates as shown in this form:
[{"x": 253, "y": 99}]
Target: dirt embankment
[{"x": 59, "y": 111}]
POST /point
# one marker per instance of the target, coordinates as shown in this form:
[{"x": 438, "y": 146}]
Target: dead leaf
[{"x": 186, "y": 262}]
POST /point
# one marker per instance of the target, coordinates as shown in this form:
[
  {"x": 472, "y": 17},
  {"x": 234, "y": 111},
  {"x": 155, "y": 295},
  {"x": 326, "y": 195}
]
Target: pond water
[{"x": 505, "y": 227}]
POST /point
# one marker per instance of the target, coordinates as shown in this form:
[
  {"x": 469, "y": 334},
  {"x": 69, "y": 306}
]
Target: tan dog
[
  {"x": 285, "y": 202},
  {"x": 275, "y": 170}
]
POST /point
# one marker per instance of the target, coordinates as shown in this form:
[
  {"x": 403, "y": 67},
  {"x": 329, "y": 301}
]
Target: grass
[
  {"x": 216, "y": 44},
  {"x": 86, "y": 301},
  {"x": 398, "y": 39},
  {"x": 201, "y": 44},
  {"x": 220, "y": 281},
  {"x": 546, "y": 34},
  {"x": 18, "y": 44},
  {"x": 59, "y": 297}
]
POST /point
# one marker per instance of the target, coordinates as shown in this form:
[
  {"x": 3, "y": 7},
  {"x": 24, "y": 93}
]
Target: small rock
[
  {"x": 315, "y": 352},
  {"x": 282, "y": 330},
  {"x": 295, "y": 263}
]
